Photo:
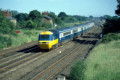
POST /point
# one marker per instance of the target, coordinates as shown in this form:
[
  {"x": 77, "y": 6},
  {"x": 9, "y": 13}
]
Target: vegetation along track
[{"x": 28, "y": 67}]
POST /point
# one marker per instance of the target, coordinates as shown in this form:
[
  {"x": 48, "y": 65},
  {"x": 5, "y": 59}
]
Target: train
[{"x": 54, "y": 38}]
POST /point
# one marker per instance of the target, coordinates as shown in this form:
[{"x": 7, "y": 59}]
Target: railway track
[
  {"x": 12, "y": 51},
  {"x": 37, "y": 60},
  {"x": 18, "y": 62}
]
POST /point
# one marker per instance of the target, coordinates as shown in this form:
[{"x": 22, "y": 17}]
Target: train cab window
[{"x": 45, "y": 37}]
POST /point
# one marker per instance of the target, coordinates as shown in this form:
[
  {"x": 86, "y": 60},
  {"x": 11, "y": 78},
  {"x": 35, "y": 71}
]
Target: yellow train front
[{"x": 47, "y": 40}]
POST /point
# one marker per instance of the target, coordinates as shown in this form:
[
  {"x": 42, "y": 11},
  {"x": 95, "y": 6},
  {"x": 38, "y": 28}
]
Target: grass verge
[
  {"x": 17, "y": 39},
  {"x": 103, "y": 63}
]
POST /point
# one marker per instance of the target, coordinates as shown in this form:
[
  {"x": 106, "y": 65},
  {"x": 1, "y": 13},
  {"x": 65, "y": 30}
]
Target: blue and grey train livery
[{"x": 53, "y": 38}]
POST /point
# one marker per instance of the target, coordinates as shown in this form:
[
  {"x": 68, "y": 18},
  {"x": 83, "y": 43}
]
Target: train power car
[{"x": 56, "y": 37}]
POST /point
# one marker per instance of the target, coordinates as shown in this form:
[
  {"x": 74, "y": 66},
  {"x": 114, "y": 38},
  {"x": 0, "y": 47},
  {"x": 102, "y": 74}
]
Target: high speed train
[{"x": 53, "y": 38}]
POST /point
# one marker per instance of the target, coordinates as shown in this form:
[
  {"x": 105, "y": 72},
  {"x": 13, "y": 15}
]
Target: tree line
[{"x": 34, "y": 19}]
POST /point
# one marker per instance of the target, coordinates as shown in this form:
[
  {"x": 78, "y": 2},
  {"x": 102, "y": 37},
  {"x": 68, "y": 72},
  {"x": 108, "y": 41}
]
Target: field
[{"x": 103, "y": 63}]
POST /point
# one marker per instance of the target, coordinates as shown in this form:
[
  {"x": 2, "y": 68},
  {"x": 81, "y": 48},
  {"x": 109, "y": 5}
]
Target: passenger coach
[{"x": 56, "y": 37}]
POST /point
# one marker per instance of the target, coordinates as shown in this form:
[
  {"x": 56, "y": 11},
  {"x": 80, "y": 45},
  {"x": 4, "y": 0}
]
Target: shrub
[
  {"x": 5, "y": 42},
  {"x": 110, "y": 37},
  {"x": 77, "y": 71}
]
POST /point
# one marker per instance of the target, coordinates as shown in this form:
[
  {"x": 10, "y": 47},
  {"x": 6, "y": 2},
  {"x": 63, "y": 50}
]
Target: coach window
[
  {"x": 74, "y": 31},
  {"x": 82, "y": 28},
  {"x": 67, "y": 33}
]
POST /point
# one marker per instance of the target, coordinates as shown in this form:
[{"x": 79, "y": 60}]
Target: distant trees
[
  {"x": 80, "y": 18},
  {"x": 35, "y": 19},
  {"x": 68, "y": 18}
]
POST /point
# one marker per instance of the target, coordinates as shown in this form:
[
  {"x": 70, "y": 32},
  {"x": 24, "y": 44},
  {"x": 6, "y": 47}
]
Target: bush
[
  {"x": 110, "y": 37},
  {"x": 47, "y": 25},
  {"x": 5, "y": 42},
  {"x": 31, "y": 24},
  {"x": 77, "y": 71}
]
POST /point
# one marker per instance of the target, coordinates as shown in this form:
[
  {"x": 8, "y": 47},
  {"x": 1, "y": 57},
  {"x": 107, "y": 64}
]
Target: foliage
[
  {"x": 5, "y": 42},
  {"x": 31, "y": 24},
  {"x": 70, "y": 19},
  {"x": 110, "y": 37},
  {"x": 102, "y": 64},
  {"x": 14, "y": 13},
  {"x": 35, "y": 15},
  {"x": 80, "y": 18},
  {"x": 53, "y": 16},
  {"x": 118, "y": 8},
  {"x": 77, "y": 71},
  {"x": 59, "y": 21},
  {"x": 21, "y": 16},
  {"x": 62, "y": 15},
  {"x": 5, "y": 25},
  {"x": 112, "y": 24},
  {"x": 47, "y": 25}
]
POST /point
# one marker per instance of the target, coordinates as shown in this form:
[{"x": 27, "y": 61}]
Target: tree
[
  {"x": 107, "y": 17},
  {"x": 70, "y": 19},
  {"x": 35, "y": 15},
  {"x": 21, "y": 19},
  {"x": 52, "y": 14},
  {"x": 5, "y": 25},
  {"x": 21, "y": 16},
  {"x": 31, "y": 24},
  {"x": 62, "y": 15},
  {"x": 54, "y": 17},
  {"x": 59, "y": 21},
  {"x": 80, "y": 18},
  {"x": 14, "y": 13},
  {"x": 118, "y": 8}
]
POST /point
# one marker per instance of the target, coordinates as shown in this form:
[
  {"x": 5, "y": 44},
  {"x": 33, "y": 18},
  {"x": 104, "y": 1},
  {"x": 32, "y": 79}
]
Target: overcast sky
[{"x": 71, "y": 7}]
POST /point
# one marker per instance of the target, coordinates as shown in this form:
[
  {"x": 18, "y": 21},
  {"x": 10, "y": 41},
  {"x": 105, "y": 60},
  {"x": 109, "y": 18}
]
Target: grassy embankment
[
  {"x": 103, "y": 63},
  {"x": 26, "y": 35},
  {"x": 12, "y": 40}
]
